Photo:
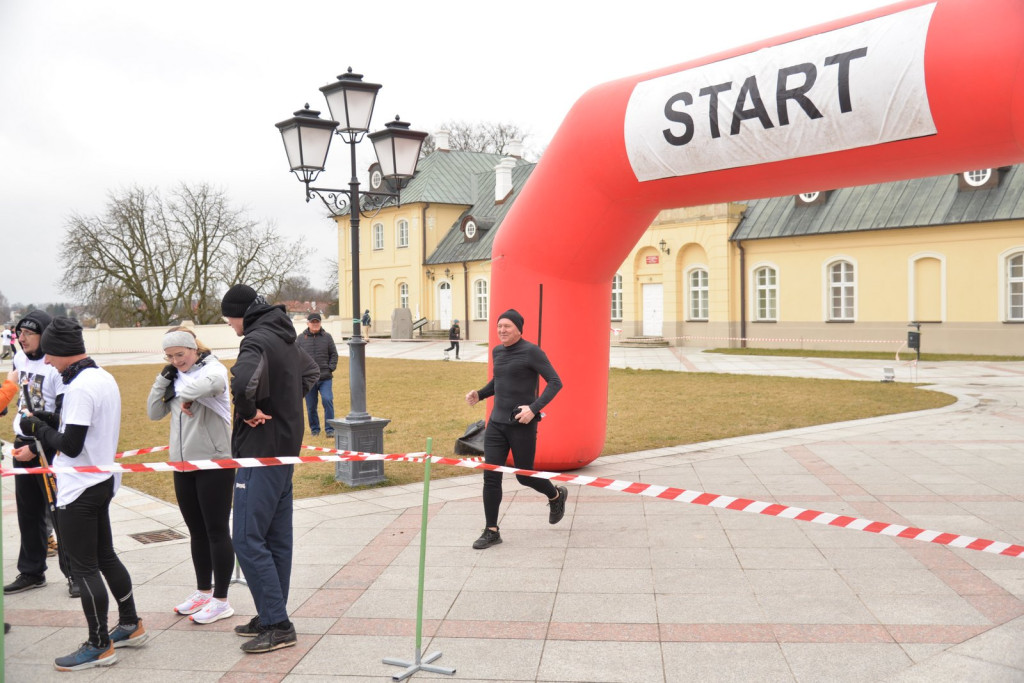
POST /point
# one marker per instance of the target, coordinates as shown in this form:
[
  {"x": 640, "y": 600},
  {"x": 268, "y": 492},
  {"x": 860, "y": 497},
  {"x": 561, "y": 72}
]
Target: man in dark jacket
[
  {"x": 454, "y": 335},
  {"x": 269, "y": 379},
  {"x": 319, "y": 344}
]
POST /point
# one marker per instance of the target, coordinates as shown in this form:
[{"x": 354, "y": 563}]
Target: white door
[
  {"x": 444, "y": 303},
  {"x": 653, "y": 310}
]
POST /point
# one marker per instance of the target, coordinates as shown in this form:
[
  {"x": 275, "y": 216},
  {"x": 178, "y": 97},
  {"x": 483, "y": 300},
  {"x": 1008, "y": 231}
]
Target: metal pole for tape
[{"x": 421, "y": 663}]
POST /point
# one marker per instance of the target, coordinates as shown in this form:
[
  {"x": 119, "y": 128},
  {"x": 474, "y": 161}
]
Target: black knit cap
[
  {"x": 237, "y": 300},
  {"x": 63, "y": 337},
  {"x": 34, "y": 321},
  {"x": 515, "y": 316}
]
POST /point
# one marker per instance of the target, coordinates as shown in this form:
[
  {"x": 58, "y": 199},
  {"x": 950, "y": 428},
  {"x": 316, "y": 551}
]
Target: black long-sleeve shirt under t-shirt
[{"x": 514, "y": 382}]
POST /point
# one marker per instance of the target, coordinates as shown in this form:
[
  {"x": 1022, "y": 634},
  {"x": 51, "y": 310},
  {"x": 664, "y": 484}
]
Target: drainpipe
[
  {"x": 423, "y": 249},
  {"x": 743, "y": 295},
  {"x": 465, "y": 294}
]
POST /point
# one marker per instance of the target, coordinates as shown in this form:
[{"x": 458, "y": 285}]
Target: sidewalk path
[{"x": 626, "y": 588}]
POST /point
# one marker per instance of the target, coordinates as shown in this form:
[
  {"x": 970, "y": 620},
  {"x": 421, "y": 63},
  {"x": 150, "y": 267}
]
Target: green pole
[
  {"x": 419, "y": 662},
  {"x": 423, "y": 548}
]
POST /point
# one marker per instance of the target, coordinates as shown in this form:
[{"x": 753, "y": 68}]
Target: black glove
[
  {"x": 51, "y": 419},
  {"x": 170, "y": 372},
  {"x": 31, "y": 426}
]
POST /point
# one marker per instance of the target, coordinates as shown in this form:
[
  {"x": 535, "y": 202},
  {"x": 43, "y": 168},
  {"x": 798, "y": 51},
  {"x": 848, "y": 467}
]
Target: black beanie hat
[
  {"x": 63, "y": 337},
  {"x": 34, "y": 321},
  {"x": 237, "y": 300},
  {"x": 513, "y": 315}
]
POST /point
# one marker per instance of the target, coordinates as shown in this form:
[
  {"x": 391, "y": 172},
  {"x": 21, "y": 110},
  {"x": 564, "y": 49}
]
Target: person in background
[
  {"x": 454, "y": 335},
  {"x": 319, "y": 344},
  {"x": 269, "y": 379},
  {"x": 6, "y": 340},
  {"x": 193, "y": 389},
  {"x": 87, "y": 435},
  {"x": 516, "y": 364},
  {"x": 365, "y": 321}
]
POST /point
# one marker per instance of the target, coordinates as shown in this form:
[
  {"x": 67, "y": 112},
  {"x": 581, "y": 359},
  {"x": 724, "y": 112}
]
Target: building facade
[{"x": 852, "y": 268}]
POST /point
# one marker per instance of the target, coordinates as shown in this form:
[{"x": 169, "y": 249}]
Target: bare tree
[
  {"x": 5, "y": 307},
  {"x": 485, "y": 136},
  {"x": 150, "y": 261}
]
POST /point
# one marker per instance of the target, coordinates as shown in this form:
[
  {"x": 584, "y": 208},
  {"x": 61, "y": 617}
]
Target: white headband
[{"x": 179, "y": 338}]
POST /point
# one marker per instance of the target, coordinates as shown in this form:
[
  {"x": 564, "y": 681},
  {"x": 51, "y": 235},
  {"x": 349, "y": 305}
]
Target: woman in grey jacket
[{"x": 193, "y": 389}]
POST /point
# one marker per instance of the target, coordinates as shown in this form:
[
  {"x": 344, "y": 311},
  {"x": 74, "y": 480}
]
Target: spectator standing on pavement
[
  {"x": 270, "y": 377},
  {"x": 454, "y": 335},
  {"x": 193, "y": 389},
  {"x": 42, "y": 383},
  {"x": 87, "y": 434},
  {"x": 516, "y": 364},
  {"x": 319, "y": 344}
]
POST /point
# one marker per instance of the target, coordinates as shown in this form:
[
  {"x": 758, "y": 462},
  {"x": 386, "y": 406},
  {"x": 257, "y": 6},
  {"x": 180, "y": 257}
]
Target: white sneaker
[
  {"x": 214, "y": 610},
  {"x": 193, "y": 603}
]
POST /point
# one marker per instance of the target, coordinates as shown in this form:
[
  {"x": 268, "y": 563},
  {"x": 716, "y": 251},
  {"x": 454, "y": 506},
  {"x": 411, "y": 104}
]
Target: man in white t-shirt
[{"x": 87, "y": 434}]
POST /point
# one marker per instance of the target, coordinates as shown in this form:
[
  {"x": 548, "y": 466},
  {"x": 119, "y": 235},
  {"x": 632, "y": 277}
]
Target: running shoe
[
  {"x": 129, "y": 635},
  {"x": 214, "y": 610},
  {"x": 193, "y": 603},
  {"x": 86, "y": 657}
]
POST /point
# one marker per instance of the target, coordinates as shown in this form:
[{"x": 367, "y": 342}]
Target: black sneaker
[
  {"x": 558, "y": 505},
  {"x": 24, "y": 583},
  {"x": 270, "y": 639},
  {"x": 253, "y": 628},
  {"x": 488, "y": 538},
  {"x": 74, "y": 590}
]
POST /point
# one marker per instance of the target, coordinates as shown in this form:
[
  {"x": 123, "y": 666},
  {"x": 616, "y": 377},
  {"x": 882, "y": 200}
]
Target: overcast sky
[{"x": 100, "y": 95}]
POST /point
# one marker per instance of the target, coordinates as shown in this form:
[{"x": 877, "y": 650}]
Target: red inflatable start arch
[{"x": 910, "y": 90}]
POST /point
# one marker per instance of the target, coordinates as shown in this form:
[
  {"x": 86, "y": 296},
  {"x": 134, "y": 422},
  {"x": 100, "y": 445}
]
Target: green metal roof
[
  {"x": 450, "y": 177},
  {"x": 920, "y": 202},
  {"x": 453, "y": 248}
]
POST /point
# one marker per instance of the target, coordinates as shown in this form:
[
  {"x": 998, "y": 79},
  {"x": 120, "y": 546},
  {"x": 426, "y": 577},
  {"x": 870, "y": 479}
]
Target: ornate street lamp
[{"x": 307, "y": 139}]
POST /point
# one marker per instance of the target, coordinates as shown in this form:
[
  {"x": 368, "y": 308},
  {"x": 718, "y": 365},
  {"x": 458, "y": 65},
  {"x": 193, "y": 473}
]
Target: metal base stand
[{"x": 419, "y": 663}]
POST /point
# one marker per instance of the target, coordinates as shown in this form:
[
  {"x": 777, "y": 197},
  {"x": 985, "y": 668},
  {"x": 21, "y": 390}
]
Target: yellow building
[
  {"x": 432, "y": 254},
  {"x": 853, "y": 268}
]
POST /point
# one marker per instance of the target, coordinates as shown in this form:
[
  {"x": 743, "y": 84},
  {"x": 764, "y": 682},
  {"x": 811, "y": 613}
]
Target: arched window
[
  {"x": 617, "y": 297},
  {"x": 403, "y": 295},
  {"x": 978, "y": 177},
  {"x": 378, "y": 236},
  {"x": 766, "y": 294},
  {"x": 1015, "y": 287},
  {"x": 480, "y": 300},
  {"x": 698, "y": 299},
  {"x": 842, "y": 289},
  {"x": 402, "y": 239}
]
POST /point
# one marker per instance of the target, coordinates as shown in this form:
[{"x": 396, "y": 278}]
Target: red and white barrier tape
[{"x": 650, "y": 490}]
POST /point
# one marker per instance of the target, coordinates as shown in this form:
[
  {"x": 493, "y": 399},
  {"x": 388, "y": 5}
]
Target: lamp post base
[{"x": 364, "y": 436}]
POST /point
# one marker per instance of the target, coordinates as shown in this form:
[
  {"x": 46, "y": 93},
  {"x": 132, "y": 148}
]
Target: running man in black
[{"x": 513, "y": 423}]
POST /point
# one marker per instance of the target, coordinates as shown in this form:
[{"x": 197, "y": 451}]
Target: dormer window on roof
[
  {"x": 811, "y": 198},
  {"x": 980, "y": 179}
]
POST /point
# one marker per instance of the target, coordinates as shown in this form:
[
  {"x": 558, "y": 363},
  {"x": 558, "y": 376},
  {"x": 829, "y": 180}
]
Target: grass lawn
[{"x": 647, "y": 409}]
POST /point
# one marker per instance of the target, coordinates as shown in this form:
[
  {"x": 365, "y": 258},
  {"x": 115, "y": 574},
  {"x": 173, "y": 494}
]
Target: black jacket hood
[{"x": 273, "y": 319}]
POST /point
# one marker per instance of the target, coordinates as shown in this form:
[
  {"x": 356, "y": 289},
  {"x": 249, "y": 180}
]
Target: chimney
[
  {"x": 515, "y": 148},
  {"x": 441, "y": 141},
  {"x": 503, "y": 179}
]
